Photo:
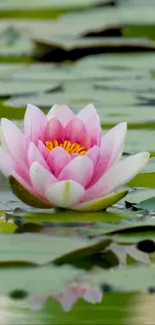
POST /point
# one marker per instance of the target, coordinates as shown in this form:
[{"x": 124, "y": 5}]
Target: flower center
[{"x": 67, "y": 145}]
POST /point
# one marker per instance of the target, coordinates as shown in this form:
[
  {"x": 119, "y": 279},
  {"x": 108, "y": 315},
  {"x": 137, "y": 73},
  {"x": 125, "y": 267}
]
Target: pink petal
[
  {"x": 42, "y": 149},
  {"x": 54, "y": 130},
  {"x": 111, "y": 150},
  {"x": 100, "y": 167},
  {"x": 90, "y": 118},
  {"x": 14, "y": 141},
  {"x": 57, "y": 159},
  {"x": 63, "y": 113},
  {"x": 115, "y": 140},
  {"x": 93, "y": 154},
  {"x": 75, "y": 132},
  {"x": 78, "y": 290},
  {"x": 41, "y": 178},
  {"x": 34, "y": 155},
  {"x": 79, "y": 169},
  {"x": 6, "y": 163},
  {"x": 8, "y": 166},
  {"x": 117, "y": 175},
  {"x": 66, "y": 299},
  {"x": 34, "y": 123}
]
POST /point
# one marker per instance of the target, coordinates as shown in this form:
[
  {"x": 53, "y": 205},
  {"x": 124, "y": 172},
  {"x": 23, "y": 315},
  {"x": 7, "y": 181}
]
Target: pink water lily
[{"x": 62, "y": 159}]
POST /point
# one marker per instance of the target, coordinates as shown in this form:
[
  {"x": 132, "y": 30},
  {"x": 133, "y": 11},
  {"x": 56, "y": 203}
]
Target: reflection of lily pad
[
  {"x": 41, "y": 249},
  {"x": 131, "y": 279},
  {"x": 31, "y": 279},
  {"x": 16, "y": 5}
]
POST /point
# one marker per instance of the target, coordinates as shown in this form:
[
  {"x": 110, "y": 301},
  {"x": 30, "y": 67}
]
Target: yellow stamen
[{"x": 67, "y": 145}]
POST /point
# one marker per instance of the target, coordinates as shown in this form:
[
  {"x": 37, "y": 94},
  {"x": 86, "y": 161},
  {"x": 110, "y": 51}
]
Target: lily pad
[
  {"x": 147, "y": 97},
  {"x": 148, "y": 204},
  {"x": 10, "y": 88},
  {"x": 13, "y": 44},
  {"x": 58, "y": 50},
  {"x": 82, "y": 72},
  {"x": 42, "y": 249},
  {"x": 145, "y": 179},
  {"x": 76, "y": 96},
  {"x": 15, "y": 5},
  {"x": 133, "y": 85},
  {"x": 60, "y": 216},
  {"x": 142, "y": 140},
  {"x": 136, "y": 196},
  {"x": 142, "y": 61},
  {"x": 31, "y": 279},
  {"x": 132, "y": 279}
]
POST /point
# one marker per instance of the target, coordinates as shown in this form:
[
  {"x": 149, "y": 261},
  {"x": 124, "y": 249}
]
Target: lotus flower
[{"x": 62, "y": 160}]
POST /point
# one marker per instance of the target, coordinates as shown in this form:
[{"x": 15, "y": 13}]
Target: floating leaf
[
  {"x": 148, "y": 204},
  {"x": 145, "y": 179},
  {"x": 35, "y": 279},
  {"x": 10, "y": 88},
  {"x": 42, "y": 249},
  {"x": 132, "y": 279}
]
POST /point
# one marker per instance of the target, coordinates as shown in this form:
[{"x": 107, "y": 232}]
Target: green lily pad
[
  {"x": 59, "y": 216},
  {"x": 58, "y": 49},
  {"x": 10, "y": 88},
  {"x": 77, "y": 98},
  {"x": 7, "y": 226},
  {"x": 147, "y": 97},
  {"x": 138, "y": 195},
  {"x": 41, "y": 249},
  {"x": 133, "y": 85},
  {"x": 35, "y": 280},
  {"x": 64, "y": 72},
  {"x": 13, "y": 44},
  {"x": 148, "y": 204},
  {"x": 144, "y": 61},
  {"x": 127, "y": 233},
  {"x": 132, "y": 279},
  {"x": 145, "y": 179},
  {"x": 141, "y": 140},
  {"x": 15, "y": 5}
]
